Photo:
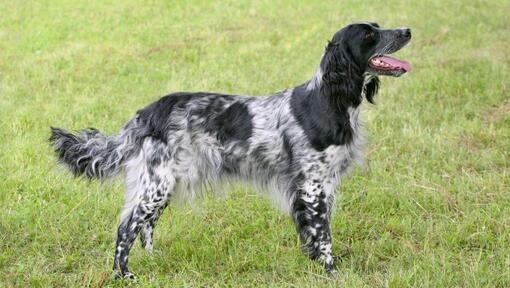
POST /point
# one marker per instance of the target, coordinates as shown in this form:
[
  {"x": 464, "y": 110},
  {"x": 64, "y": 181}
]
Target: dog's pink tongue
[{"x": 404, "y": 65}]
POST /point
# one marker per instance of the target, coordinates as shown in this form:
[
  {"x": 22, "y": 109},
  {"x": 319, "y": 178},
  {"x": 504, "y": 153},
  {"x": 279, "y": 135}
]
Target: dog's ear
[
  {"x": 338, "y": 75},
  {"x": 371, "y": 88}
]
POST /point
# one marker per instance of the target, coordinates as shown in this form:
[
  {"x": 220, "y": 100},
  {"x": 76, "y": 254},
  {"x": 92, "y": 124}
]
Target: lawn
[{"x": 429, "y": 208}]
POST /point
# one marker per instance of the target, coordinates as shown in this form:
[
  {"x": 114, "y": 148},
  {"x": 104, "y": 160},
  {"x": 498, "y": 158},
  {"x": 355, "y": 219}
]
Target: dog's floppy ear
[
  {"x": 371, "y": 88},
  {"x": 338, "y": 75}
]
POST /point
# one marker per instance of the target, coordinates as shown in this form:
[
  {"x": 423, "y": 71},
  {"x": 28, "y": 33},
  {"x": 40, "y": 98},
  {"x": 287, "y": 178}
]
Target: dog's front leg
[{"x": 311, "y": 211}]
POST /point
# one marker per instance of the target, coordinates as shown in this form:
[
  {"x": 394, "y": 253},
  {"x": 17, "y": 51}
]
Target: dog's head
[
  {"x": 362, "y": 49},
  {"x": 368, "y": 45}
]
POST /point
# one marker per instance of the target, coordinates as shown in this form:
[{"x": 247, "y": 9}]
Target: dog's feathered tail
[{"x": 91, "y": 153}]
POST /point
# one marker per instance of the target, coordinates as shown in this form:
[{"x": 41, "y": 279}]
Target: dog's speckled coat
[{"x": 296, "y": 144}]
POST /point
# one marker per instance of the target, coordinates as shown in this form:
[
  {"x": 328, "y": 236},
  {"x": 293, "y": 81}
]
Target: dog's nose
[{"x": 405, "y": 32}]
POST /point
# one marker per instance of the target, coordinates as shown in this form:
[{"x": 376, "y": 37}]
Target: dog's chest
[{"x": 339, "y": 158}]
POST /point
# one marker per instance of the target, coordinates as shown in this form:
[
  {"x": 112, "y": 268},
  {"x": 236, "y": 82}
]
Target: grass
[{"x": 430, "y": 208}]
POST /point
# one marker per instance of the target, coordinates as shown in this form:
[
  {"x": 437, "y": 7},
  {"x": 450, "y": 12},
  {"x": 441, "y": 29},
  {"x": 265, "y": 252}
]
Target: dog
[{"x": 296, "y": 144}]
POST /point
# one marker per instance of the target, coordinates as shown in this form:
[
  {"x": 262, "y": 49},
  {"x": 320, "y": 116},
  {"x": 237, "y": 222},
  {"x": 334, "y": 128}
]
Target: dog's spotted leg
[
  {"x": 146, "y": 234},
  {"x": 129, "y": 229},
  {"x": 126, "y": 234},
  {"x": 144, "y": 207},
  {"x": 311, "y": 212}
]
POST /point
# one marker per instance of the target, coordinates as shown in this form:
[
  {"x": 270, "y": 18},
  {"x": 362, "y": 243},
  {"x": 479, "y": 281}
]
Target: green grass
[{"x": 430, "y": 208}]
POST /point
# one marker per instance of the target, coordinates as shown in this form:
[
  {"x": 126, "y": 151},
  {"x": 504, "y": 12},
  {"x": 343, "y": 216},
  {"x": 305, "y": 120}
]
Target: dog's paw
[
  {"x": 117, "y": 275},
  {"x": 332, "y": 273},
  {"x": 129, "y": 276},
  {"x": 331, "y": 268}
]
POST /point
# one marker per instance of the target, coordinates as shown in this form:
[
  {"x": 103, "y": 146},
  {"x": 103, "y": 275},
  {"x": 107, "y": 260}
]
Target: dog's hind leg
[
  {"x": 149, "y": 188},
  {"x": 311, "y": 212},
  {"x": 146, "y": 234}
]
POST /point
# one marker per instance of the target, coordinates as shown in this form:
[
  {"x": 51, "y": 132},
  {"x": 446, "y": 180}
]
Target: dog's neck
[
  {"x": 323, "y": 107},
  {"x": 338, "y": 91}
]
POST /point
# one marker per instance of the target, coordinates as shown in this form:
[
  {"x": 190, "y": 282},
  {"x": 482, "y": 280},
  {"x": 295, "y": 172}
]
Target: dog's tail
[{"x": 92, "y": 153}]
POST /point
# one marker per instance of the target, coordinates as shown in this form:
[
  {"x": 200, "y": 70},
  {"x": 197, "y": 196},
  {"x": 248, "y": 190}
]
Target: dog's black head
[
  {"x": 362, "y": 49},
  {"x": 368, "y": 46}
]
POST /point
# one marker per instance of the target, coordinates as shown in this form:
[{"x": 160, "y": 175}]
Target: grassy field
[{"x": 430, "y": 208}]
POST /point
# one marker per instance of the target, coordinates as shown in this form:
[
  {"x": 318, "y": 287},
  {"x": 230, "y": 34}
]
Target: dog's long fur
[{"x": 296, "y": 143}]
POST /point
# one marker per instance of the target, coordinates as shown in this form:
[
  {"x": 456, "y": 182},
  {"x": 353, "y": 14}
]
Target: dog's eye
[{"x": 369, "y": 35}]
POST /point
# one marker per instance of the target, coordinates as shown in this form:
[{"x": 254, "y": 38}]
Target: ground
[{"x": 430, "y": 207}]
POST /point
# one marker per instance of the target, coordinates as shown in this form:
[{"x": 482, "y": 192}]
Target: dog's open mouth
[{"x": 386, "y": 65}]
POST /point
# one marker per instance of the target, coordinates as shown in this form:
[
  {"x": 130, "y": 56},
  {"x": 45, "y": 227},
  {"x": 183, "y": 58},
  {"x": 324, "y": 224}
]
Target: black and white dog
[{"x": 297, "y": 143}]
